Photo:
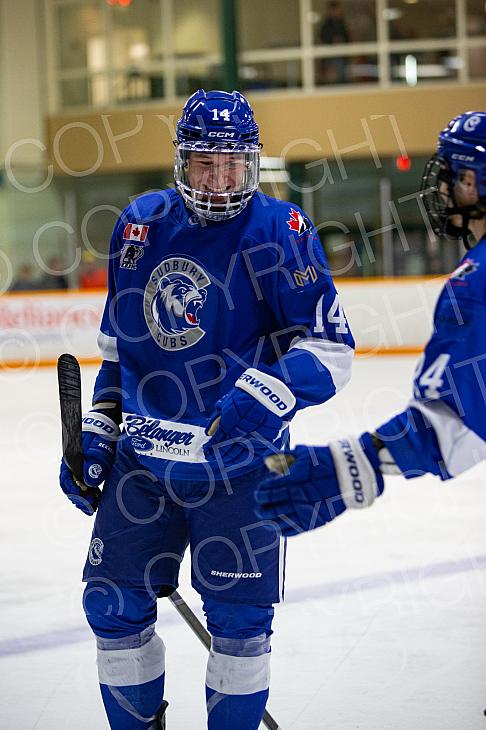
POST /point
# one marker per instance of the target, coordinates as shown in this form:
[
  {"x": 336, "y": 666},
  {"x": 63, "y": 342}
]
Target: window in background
[
  {"x": 136, "y": 39},
  {"x": 343, "y": 21},
  {"x": 421, "y": 19},
  {"x": 120, "y": 53},
  {"x": 137, "y": 51},
  {"x": 414, "y": 67},
  {"x": 477, "y": 63},
  {"x": 80, "y": 34},
  {"x": 268, "y": 25},
  {"x": 475, "y": 17},
  {"x": 271, "y": 75},
  {"x": 355, "y": 69},
  {"x": 196, "y": 28},
  {"x": 197, "y": 45},
  {"x": 75, "y": 92},
  {"x": 197, "y": 75}
]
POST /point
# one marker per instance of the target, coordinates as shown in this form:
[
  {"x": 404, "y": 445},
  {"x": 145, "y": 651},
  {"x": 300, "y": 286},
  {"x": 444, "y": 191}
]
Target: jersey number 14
[{"x": 335, "y": 316}]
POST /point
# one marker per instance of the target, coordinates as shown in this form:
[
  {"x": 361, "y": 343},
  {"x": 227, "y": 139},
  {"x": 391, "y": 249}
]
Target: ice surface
[{"x": 384, "y": 627}]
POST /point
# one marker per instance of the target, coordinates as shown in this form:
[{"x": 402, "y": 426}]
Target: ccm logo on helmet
[
  {"x": 264, "y": 390},
  {"x": 353, "y": 470},
  {"x": 221, "y": 134}
]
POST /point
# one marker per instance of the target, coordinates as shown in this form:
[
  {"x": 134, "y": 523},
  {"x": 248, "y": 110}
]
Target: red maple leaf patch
[{"x": 298, "y": 223}]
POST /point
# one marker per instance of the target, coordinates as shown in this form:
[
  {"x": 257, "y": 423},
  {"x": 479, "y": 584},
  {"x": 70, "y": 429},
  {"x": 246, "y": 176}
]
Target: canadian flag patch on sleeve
[{"x": 135, "y": 232}]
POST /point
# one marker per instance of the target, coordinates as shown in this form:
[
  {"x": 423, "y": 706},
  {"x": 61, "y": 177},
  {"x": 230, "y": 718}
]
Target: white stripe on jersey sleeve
[
  {"x": 336, "y": 356},
  {"x": 461, "y": 448},
  {"x": 108, "y": 347}
]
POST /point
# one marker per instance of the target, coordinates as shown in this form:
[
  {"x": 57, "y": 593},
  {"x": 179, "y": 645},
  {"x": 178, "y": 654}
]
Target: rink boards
[{"x": 386, "y": 315}]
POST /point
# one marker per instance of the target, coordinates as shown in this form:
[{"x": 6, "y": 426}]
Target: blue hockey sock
[
  {"x": 131, "y": 673},
  {"x": 237, "y": 682},
  {"x": 131, "y": 657},
  {"x": 235, "y": 712},
  {"x": 238, "y": 672}
]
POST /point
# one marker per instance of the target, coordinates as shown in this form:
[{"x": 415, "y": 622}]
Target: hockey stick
[
  {"x": 69, "y": 379},
  {"x": 205, "y": 638}
]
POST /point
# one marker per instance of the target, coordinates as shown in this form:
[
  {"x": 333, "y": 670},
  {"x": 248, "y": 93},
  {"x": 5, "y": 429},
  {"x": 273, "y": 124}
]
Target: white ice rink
[{"x": 384, "y": 627}]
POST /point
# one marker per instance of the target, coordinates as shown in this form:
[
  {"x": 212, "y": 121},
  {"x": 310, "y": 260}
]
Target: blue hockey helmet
[
  {"x": 217, "y": 123},
  {"x": 461, "y": 148}
]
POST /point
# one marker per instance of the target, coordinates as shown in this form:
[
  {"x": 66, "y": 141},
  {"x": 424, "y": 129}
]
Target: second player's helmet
[
  {"x": 461, "y": 147},
  {"x": 221, "y": 124}
]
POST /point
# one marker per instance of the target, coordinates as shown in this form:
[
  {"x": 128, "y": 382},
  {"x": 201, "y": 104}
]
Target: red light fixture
[
  {"x": 403, "y": 163},
  {"x": 119, "y": 3}
]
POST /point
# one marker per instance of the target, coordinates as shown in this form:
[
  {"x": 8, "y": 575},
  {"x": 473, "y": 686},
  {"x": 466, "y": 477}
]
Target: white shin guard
[
  {"x": 244, "y": 671},
  {"x": 132, "y": 660}
]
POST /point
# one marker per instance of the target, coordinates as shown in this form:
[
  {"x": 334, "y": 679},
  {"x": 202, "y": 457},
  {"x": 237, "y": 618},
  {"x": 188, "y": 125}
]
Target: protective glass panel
[
  {"x": 343, "y": 21},
  {"x": 424, "y": 19},
  {"x": 268, "y": 24}
]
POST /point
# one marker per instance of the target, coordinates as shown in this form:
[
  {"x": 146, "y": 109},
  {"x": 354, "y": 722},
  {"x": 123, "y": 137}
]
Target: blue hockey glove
[
  {"x": 100, "y": 433},
  {"x": 316, "y": 484},
  {"x": 248, "y": 419}
]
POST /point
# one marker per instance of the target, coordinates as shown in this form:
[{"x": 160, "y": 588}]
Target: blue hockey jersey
[
  {"x": 193, "y": 304},
  {"x": 443, "y": 431}
]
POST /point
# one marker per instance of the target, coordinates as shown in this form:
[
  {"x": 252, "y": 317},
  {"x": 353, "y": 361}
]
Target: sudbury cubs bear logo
[
  {"x": 176, "y": 304},
  {"x": 174, "y": 296}
]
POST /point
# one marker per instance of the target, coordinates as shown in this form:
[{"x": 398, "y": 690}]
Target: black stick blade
[{"x": 69, "y": 379}]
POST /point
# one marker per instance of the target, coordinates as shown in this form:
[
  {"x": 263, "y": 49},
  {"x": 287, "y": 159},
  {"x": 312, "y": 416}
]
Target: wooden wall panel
[{"x": 300, "y": 127}]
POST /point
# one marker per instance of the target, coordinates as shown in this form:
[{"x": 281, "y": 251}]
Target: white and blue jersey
[
  {"x": 443, "y": 431},
  {"x": 192, "y": 304}
]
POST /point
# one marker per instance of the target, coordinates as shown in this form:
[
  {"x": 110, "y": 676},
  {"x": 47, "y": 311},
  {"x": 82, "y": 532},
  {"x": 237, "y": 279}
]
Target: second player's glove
[
  {"x": 100, "y": 433},
  {"x": 248, "y": 419},
  {"x": 313, "y": 485}
]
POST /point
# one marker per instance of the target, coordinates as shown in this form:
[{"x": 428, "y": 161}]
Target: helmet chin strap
[{"x": 466, "y": 213}]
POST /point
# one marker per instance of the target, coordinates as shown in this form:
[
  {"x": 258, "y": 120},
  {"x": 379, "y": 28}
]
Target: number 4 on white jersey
[
  {"x": 335, "y": 316},
  {"x": 433, "y": 378}
]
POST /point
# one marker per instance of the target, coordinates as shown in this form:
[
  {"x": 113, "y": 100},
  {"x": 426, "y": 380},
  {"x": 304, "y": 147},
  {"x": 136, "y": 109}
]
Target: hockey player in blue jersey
[
  {"x": 222, "y": 320},
  {"x": 443, "y": 430}
]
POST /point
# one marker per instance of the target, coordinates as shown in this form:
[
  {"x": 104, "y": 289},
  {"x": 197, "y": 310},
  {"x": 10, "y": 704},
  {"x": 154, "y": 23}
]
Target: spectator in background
[
  {"x": 54, "y": 277},
  {"x": 334, "y": 31},
  {"x": 25, "y": 280},
  {"x": 94, "y": 274}
]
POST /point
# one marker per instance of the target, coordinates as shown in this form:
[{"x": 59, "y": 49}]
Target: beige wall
[{"x": 300, "y": 128}]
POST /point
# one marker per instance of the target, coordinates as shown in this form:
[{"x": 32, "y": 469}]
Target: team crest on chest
[{"x": 174, "y": 296}]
